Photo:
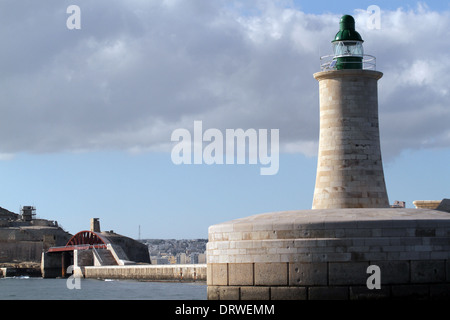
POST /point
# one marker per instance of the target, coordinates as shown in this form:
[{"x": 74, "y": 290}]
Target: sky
[{"x": 87, "y": 114}]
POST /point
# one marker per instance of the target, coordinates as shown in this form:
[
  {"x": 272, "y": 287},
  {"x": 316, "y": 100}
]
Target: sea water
[{"x": 29, "y": 288}]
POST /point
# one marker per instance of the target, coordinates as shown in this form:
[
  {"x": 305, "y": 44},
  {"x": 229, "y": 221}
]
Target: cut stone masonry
[{"x": 319, "y": 254}]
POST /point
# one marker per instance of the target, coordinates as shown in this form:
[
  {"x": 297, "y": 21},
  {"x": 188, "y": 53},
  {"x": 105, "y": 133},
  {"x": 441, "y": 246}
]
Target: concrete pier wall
[{"x": 179, "y": 272}]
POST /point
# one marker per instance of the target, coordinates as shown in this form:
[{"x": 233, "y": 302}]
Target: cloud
[
  {"x": 137, "y": 71},
  {"x": 414, "y": 91}
]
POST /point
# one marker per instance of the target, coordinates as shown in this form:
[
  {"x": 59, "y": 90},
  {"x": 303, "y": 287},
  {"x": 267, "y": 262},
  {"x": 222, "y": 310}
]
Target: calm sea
[{"x": 23, "y": 288}]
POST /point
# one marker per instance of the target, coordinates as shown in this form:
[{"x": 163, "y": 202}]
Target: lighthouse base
[{"x": 389, "y": 253}]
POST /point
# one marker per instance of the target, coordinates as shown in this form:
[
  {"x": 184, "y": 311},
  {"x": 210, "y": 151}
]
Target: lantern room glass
[{"x": 348, "y": 48}]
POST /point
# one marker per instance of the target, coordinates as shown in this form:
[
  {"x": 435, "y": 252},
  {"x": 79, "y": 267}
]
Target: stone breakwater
[
  {"x": 179, "y": 272},
  {"x": 324, "y": 254}
]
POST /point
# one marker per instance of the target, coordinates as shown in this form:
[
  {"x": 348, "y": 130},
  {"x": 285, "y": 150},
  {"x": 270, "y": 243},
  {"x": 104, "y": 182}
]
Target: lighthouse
[
  {"x": 349, "y": 168},
  {"x": 351, "y": 245}
]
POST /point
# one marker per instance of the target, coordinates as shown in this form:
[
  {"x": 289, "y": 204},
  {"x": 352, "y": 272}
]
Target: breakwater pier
[
  {"x": 145, "y": 272},
  {"x": 106, "y": 255},
  {"x": 178, "y": 272}
]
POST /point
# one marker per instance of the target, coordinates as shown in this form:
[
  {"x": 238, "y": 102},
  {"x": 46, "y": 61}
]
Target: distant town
[{"x": 171, "y": 251}]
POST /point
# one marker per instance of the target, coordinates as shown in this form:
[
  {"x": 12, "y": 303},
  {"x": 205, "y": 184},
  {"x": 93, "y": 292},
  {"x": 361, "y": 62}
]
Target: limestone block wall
[
  {"x": 349, "y": 170},
  {"x": 186, "y": 272},
  {"x": 27, "y": 243},
  {"x": 426, "y": 204},
  {"x": 83, "y": 258},
  {"x": 324, "y": 254},
  {"x": 16, "y": 251}
]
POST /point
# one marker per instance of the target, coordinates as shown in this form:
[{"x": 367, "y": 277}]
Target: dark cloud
[{"x": 137, "y": 70}]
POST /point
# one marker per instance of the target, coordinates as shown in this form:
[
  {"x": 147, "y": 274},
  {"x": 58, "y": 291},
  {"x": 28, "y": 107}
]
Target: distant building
[
  {"x": 197, "y": 258},
  {"x": 176, "y": 251},
  {"x": 398, "y": 204},
  {"x": 202, "y": 258},
  {"x": 181, "y": 258},
  {"x": 160, "y": 261}
]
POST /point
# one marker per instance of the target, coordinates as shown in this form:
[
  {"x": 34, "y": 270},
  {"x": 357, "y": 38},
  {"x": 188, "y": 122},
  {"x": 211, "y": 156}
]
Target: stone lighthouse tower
[
  {"x": 349, "y": 170},
  {"x": 329, "y": 251}
]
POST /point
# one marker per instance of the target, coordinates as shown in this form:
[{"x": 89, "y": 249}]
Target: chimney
[{"x": 95, "y": 225}]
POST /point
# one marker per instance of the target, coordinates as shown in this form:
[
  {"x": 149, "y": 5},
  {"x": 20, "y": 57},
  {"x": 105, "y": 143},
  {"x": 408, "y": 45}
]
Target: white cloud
[
  {"x": 136, "y": 72},
  {"x": 6, "y": 156}
]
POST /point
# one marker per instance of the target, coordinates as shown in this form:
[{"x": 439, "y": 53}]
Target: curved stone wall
[{"x": 323, "y": 254}]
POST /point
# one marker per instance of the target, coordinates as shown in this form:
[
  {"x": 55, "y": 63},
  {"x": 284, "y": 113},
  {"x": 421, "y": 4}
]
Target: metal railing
[{"x": 328, "y": 62}]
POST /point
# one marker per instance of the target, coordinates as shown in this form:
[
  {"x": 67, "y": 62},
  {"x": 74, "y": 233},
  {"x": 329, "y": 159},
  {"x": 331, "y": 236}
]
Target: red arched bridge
[{"x": 81, "y": 241}]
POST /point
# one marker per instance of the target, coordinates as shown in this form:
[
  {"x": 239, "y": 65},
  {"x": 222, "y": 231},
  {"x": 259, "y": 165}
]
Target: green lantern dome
[
  {"x": 347, "y": 30},
  {"x": 347, "y": 45}
]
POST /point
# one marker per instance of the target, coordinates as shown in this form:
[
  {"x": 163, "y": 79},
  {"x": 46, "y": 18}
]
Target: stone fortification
[
  {"x": 23, "y": 241},
  {"x": 6, "y": 215},
  {"x": 330, "y": 251},
  {"x": 325, "y": 254},
  {"x": 133, "y": 250}
]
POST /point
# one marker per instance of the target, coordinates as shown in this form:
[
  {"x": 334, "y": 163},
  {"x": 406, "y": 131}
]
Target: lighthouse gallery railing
[{"x": 328, "y": 62}]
